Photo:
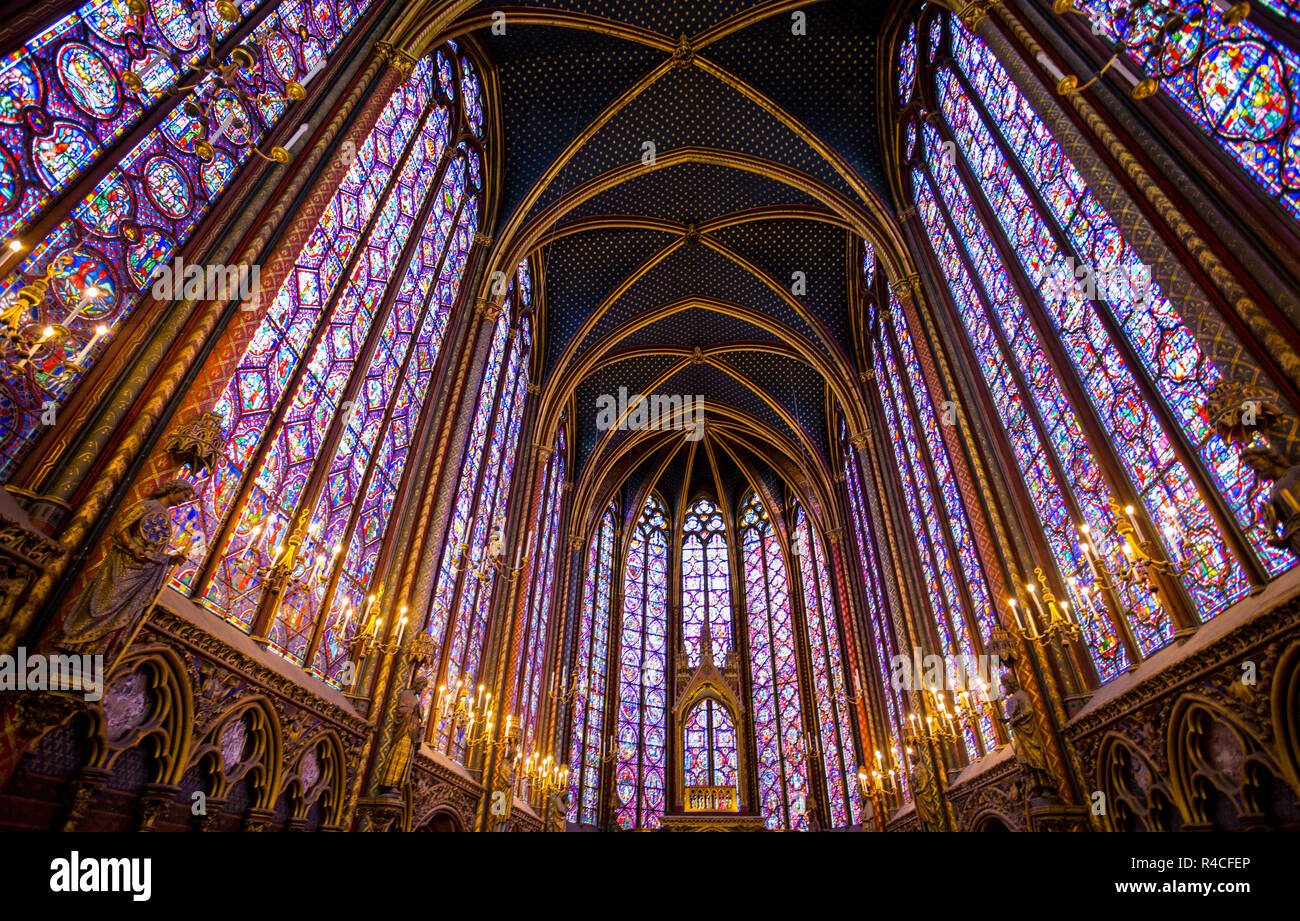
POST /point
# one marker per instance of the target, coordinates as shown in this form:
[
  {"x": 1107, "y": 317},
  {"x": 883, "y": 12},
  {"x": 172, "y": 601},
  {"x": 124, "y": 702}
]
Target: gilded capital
[
  {"x": 486, "y": 309},
  {"x": 973, "y": 13},
  {"x": 402, "y": 62}
]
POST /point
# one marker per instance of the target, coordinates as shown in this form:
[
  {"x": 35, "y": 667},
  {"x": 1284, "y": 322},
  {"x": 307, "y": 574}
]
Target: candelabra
[
  {"x": 543, "y": 776},
  {"x": 1139, "y": 562},
  {"x": 34, "y": 351},
  {"x": 875, "y": 784},
  {"x": 1060, "y": 623},
  {"x": 946, "y": 728},
  {"x": 564, "y": 694},
  {"x": 367, "y": 646},
  {"x": 1162, "y": 21},
  {"x": 494, "y": 559},
  {"x": 371, "y": 635},
  {"x": 284, "y": 566},
  {"x": 468, "y": 712},
  {"x": 215, "y": 85}
]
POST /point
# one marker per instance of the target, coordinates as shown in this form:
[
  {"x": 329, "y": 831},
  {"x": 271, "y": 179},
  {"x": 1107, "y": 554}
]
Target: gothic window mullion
[
  {"x": 613, "y": 659},
  {"x": 782, "y": 755},
  {"x": 812, "y": 728},
  {"x": 540, "y": 595},
  {"x": 232, "y": 512},
  {"x": 876, "y": 647},
  {"x": 535, "y": 577},
  {"x": 962, "y": 620},
  {"x": 838, "y": 717},
  {"x": 1043, "y": 447},
  {"x": 641, "y": 691},
  {"x": 1185, "y": 452},
  {"x": 882, "y": 627},
  {"x": 587, "y": 755},
  {"x": 908, "y": 397},
  {"x": 304, "y": 508},
  {"x": 496, "y": 497},
  {"x": 919, "y": 502},
  {"x": 480, "y": 476},
  {"x": 337, "y": 566}
]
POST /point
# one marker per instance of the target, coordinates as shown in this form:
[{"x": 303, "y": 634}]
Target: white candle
[
  {"x": 297, "y": 136},
  {"x": 311, "y": 74},
  {"x": 1051, "y": 68},
  {"x": 1127, "y": 74},
  {"x": 86, "y": 297},
  {"x": 100, "y": 332}
]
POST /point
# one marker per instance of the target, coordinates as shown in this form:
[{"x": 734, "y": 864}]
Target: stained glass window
[
  {"x": 1076, "y": 225},
  {"x": 709, "y": 756},
  {"x": 830, "y": 702},
  {"x": 883, "y": 641},
  {"x": 1238, "y": 84},
  {"x": 63, "y": 100},
  {"x": 588, "y": 746},
  {"x": 373, "y": 340},
  {"x": 907, "y": 64},
  {"x": 1121, "y": 340},
  {"x": 706, "y": 583},
  {"x": 780, "y": 747},
  {"x": 101, "y": 261},
  {"x": 541, "y": 591},
  {"x": 323, "y": 408},
  {"x": 468, "y": 573},
  {"x": 953, "y": 577},
  {"x": 639, "y": 780}
]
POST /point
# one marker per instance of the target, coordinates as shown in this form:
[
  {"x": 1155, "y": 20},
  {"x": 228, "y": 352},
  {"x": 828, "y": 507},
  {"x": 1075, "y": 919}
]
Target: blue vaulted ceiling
[{"x": 733, "y": 241}]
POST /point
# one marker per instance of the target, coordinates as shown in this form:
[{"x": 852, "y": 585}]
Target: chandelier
[{"x": 1158, "y": 21}]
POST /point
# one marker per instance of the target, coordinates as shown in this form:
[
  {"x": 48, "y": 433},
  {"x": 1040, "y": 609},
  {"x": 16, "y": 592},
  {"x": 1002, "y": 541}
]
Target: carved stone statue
[
  {"x": 925, "y": 793},
  {"x": 505, "y": 779},
  {"x": 558, "y": 818},
  {"x": 1027, "y": 743},
  {"x": 407, "y": 731},
  {"x": 814, "y": 814},
  {"x": 128, "y": 582},
  {"x": 1282, "y": 511}
]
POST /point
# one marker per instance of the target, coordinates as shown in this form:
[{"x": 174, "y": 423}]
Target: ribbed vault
[{"x": 693, "y": 182}]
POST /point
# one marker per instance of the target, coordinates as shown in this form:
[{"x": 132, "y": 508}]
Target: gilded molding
[{"x": 973, "y": 13}]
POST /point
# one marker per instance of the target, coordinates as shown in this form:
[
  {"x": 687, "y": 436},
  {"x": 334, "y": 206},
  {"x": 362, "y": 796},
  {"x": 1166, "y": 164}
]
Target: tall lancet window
[
  {"x": 588, "y": 746},
  {"x": 709, "y": 755},
  {"x": 1239, "y": 84},
  {"x": 831, "y": 705},
  {"x": 322, "y": 409},
  {"x": 463, "y": 593},
  {"x": 72, "y": 102},
  {"x": 959, "y": 599},
  {"x": 642, "y": 683},
  {"x": 885, "y": 642},
  {"x": 774, "y": 673},
  {"x": 537, "y": 647},
  {"x": 706, "y": 580},
  {"x": 1099, "y": 387}
]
